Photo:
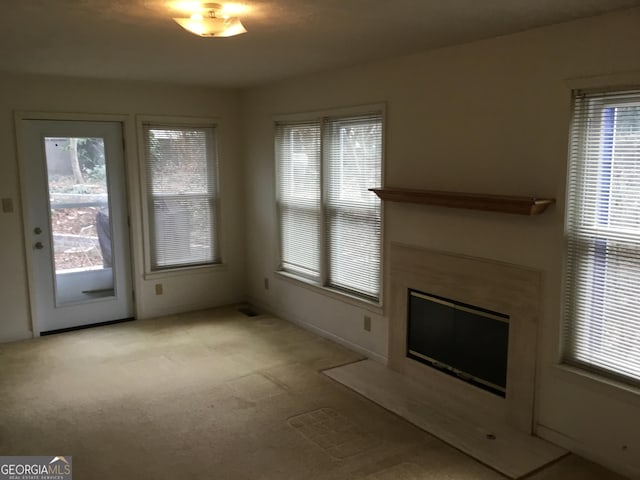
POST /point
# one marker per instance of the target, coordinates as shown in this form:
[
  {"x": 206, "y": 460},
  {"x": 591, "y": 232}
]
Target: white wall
[
  {"x": 488, "y": 117},
  {"x": 187, "y": 291}
]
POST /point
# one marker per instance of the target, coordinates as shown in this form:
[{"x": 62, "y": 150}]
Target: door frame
[{"x": 131, "y": 179}]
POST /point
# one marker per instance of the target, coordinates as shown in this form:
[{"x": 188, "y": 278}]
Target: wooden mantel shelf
[{"x": 473, "y": 201}]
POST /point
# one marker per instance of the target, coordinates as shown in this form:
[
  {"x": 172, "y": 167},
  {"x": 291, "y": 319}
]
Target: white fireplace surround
[{"x": 509, "y": 289}]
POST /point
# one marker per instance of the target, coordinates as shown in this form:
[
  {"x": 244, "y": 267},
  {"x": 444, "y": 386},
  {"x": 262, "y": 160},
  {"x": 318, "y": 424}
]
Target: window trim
[
  {"x": 321, "y": 286},
  {"x": 175, "y": 121},
  {"x": 587, "y": 375}
]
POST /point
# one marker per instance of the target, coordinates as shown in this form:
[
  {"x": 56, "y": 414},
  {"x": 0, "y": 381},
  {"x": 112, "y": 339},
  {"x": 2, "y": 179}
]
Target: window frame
[
  {"x": 578, "y": 224},
  {"x": 321, "y": 283},
  {"x": 146, "y": 208}
]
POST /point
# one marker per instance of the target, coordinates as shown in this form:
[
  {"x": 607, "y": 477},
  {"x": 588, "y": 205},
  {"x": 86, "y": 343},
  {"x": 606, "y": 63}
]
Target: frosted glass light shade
[{"x": 206, "y": 26}]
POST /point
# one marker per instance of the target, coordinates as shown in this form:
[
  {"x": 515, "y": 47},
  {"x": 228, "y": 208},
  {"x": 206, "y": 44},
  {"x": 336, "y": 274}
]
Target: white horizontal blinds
[
  {"x": 353, "y": 152},
  {"x": 182, "y": 195},
  {"x": 602, "y": 300},
  {"x": 298, "y": 171}
]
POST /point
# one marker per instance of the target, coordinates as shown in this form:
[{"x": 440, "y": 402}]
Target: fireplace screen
[{"x": 459, "y": 339}]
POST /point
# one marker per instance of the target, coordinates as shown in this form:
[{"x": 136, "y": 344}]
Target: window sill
[
  {"x": 373, "y": 307},
  {"x": 182, "y": 271},
  {"x": 598, "y": 383}
]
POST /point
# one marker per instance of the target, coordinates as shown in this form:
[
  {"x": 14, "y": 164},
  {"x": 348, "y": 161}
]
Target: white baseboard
[
  {"x": 606, "y": 459},
  {"x": 319, "y": 331}
]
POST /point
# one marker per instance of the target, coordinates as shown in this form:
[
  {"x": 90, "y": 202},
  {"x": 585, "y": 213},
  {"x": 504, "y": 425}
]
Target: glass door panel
[{"x": 79, "y": 218}]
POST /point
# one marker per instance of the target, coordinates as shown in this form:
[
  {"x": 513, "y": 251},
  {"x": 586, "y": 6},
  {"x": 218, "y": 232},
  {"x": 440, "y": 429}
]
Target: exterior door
[{"x": 76, "y": 223}]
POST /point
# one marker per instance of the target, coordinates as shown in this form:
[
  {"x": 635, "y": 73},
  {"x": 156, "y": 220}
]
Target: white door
[{"x": 76, "y": 223}]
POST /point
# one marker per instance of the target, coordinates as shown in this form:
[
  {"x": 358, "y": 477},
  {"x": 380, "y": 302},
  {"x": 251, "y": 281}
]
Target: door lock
[
  {"x": 38, "y": 246},
  {"x": 37, "y": 230}
]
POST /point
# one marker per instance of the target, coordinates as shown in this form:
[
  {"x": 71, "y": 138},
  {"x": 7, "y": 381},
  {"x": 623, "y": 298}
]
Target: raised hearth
[{"x": 497, "y": 431}]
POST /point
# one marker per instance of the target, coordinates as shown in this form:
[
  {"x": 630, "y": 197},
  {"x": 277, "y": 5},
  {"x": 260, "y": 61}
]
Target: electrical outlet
[
  {"x": 7, "y": 205},
  {"x": 266, "y": 283},
  {"x": 159, "y": 289},
  {"x": 367, "y": 323}
]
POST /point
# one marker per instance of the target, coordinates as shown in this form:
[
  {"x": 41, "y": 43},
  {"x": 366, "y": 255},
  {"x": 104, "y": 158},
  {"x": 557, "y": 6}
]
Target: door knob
[
  {"x": 37, "y": 230},
  {"x": 38, "y": 246}
]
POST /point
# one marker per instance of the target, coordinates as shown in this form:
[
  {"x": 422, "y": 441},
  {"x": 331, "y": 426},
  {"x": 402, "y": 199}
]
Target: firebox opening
[{"x": 468, "y": 342}]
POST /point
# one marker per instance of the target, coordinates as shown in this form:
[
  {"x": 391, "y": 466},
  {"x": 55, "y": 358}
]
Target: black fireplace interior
[{"x": 459, "y": 339}]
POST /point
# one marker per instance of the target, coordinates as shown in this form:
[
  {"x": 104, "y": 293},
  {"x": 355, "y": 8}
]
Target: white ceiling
[{"x": 125, "y": 39}]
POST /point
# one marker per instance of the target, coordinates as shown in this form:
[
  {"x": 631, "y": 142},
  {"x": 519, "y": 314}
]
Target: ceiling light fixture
[{"x": 212, "y": 21}]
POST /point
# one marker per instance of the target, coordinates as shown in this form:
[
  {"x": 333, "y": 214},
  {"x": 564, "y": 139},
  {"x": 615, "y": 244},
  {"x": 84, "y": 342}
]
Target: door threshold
[{"x": 82, "y": 327}]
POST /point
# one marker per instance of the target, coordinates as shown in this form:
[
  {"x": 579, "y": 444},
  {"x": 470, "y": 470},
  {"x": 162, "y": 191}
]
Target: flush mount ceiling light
[{"x": 212, "y": 20}]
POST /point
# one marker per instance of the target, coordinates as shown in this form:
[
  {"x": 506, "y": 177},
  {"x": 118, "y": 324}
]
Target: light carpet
[{"x": 215, "y": 395}]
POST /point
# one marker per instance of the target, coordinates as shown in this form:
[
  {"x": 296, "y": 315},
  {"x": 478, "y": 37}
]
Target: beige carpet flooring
[{"x": 215, "y": 395}]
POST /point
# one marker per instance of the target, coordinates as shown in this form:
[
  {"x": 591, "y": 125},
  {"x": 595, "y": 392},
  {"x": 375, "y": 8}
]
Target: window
[
  {"x": 330, "y": 224},
  {"x": 602, "y": 279},
  {"x": 182, "y": 195}
]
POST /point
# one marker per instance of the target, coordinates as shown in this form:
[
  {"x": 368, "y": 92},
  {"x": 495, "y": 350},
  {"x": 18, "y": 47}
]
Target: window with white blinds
[
  {"x": 330, "y": 224},
  {"x": 602, "y": 279},
  {"x": 182, "y": 195},
  {"x": 353, "y": 152},
  {"x": 298, "y": 153}
]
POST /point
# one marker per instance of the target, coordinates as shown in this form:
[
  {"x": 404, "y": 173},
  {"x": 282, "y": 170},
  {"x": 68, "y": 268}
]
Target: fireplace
[
  {"x": 508, "y": 294},
  {"x": 465, "y": 341}
]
